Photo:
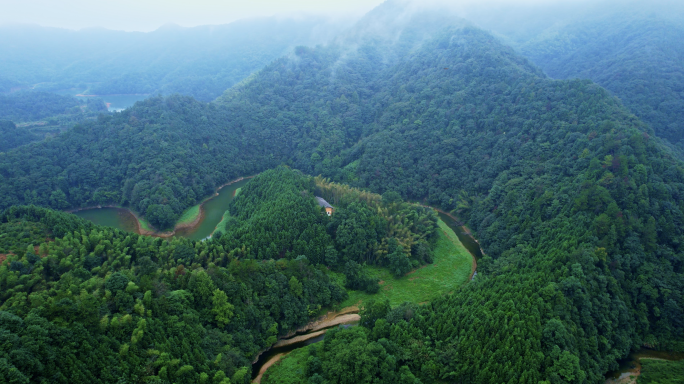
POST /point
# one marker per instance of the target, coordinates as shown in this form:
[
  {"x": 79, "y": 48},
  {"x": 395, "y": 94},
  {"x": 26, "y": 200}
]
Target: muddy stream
[{"x": 311, "y": 333}]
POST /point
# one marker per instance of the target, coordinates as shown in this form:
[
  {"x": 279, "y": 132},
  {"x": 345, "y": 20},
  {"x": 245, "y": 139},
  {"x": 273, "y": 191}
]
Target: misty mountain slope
[
  {"x": 556, "y": 177},
  {"x": 32, "y": 106},
  {"x": 201, "y": 61},
  {"x": 577, "y": 206},
  {"x": 639, "y": 59},
  {"x": 12, "y": 136}
]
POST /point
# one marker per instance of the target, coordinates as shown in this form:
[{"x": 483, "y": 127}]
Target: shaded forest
[
  {"x": 32, "y": 106},
  {"x": 12, "y": 136}
]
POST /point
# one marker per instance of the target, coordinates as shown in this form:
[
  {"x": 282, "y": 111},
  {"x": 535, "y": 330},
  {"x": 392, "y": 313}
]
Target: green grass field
[
  {"x": 450, "y": 270},
  {"x": 221, "y": 226},
  {"x": 145, "y": 225},
  {"x": 237, "y": 191},
  {"x": 290, "y": 369},
  {"x": 660, "y": 371},
  {"x": 189, "y": 215}
]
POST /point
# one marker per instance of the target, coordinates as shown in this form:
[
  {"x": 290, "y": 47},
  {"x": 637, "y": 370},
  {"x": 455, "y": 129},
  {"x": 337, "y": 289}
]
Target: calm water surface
[
  {"x": 213, "y": 213},
  {"x": 110, "y": 217},
  {"x": 468, "y": 241},
  {"x": 117, "y": 103}
]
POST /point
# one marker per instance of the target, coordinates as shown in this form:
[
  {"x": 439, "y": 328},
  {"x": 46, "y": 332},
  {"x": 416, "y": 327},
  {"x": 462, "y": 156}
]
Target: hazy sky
[{"x": 146, "y": 15}]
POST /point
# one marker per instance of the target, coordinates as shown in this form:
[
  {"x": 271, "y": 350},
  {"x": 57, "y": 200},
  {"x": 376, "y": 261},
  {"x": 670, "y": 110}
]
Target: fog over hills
[{"x": 200, "y": 61}]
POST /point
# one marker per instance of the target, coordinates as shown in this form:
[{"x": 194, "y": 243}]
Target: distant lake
[{"x": 117, "y": 103}]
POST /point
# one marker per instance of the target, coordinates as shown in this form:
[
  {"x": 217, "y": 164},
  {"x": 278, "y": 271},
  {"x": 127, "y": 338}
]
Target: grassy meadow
[
  {"x": 661, "y": 372},
  {"x": 451, "y": 269},
  {"x": 189, "y": 215},
  {"x": 290, "y": 369}
]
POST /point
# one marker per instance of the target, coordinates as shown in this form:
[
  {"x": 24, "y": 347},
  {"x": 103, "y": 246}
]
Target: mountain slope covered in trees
[
  {"x": 12, "y": 136},
  {"x": 577, "y": 205},
  {"x": 640, "y": 59},
  {"x": 82, "y": 303}
]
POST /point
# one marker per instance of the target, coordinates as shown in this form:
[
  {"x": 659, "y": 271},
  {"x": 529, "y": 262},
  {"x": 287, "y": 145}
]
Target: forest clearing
[{"x": 452, "y": 267}]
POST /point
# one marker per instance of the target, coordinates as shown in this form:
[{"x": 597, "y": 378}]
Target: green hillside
[
  {"x": 577, "y": 205},
  {"x": 640, "y": 59}
]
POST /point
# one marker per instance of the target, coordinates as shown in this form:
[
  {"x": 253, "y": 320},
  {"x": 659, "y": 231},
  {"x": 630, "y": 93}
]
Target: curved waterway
[
  {"x": 463, "y": 235},
  {"x": 212, "y": 213},
  {"x": 630, "y": 367},
  {"x": 311, "y": 333},
  {"x": 119, "y": 218}
]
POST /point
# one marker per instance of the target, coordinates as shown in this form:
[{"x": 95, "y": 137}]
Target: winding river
[
  {"x": 312, "y": 332},
  {"x": 212, "y": 213}
]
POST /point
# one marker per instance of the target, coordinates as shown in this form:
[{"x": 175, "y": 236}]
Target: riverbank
[
  {"x": 191, "y": 219},
  {"x": 305, "y": 335},
  {"x": 194, "y": 215},
  {"x": 642, "y": 362}
]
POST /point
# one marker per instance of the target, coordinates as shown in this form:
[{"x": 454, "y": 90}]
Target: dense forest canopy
[
  {"x": 202, "y": 61},
  {"x": 578, "y": 205},
  {"x": 82, "y": 303},
  {"x": 159, "y": 311},
  {"x": 638, "y": 58},
  {"x": 12, "y": 136},
  {"x": 32, "y": 106},
  {"x": 275, "y": 215}
]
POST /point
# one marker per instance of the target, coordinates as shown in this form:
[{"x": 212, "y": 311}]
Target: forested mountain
[
  {"x": 12, "y": 136},
  {"x": 638, "y": 58},
  {"x": 577, "y": 204},
  {"x": 118, "y": 306},
  {"x": 160, "y": 157},
  {"x": 82, "y": 303},
  {"x": 202, "y": 61}
]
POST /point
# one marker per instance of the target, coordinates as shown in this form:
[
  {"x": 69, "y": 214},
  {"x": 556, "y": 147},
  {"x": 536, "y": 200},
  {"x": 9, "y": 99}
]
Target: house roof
[{"x": 323, "y": 203}]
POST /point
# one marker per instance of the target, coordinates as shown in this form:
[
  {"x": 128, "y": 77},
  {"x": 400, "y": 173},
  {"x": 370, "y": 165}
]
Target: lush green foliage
[
  {"x": 654, "y": 371},
  {"x": 12, "y": 136},
  {"x": 101, "y": 305},
  {"x": 450, "y": 269},
  {"x": 159, "y": 157},
  {"x": 574, "y": 204},
  {"x": 639, "y": 59},
  {"x": 275, "y": 215},
  {"x": 578, "y": 209}
]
